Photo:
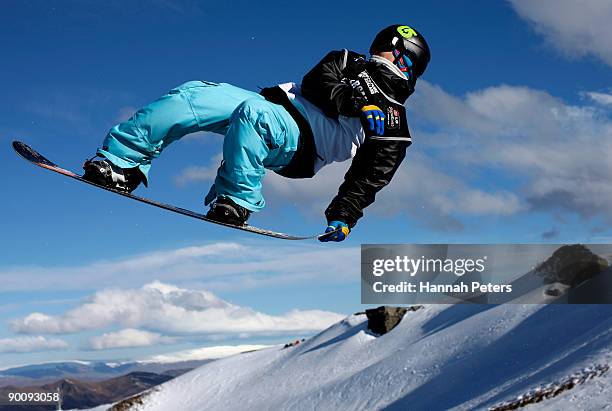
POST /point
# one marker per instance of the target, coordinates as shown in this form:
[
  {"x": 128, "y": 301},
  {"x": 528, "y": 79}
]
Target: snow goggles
[{"x": 403, "y": 62}]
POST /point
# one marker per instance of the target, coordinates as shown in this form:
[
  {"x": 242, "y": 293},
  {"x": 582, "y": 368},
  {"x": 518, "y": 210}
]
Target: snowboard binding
[
  {"x": 105, "y": 173},
  {"x": 224, "y": 210}
]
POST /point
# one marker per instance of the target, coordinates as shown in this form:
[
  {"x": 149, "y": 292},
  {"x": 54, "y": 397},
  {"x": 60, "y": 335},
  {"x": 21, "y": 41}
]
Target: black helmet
[{"x": 406, "y": 40}]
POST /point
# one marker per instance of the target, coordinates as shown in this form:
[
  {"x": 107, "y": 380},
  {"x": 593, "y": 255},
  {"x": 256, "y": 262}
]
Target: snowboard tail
[{"x": 34, "y": 157}]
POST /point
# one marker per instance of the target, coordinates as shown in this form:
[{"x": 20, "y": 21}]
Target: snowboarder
[{"x": 346, "y": 107}]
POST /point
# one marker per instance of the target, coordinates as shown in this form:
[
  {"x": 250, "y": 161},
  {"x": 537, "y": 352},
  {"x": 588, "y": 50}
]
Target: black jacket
[
  {"x": 341, "y": 84},
  {"x": 337, "y": 86}
]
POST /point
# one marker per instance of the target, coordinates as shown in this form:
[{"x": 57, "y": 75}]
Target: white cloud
[
  {"x": 127, "y": 338},
  {"x": 573, "y": 27},
  {"x": 170, "y": 310},
  {"x": 204, "y": 353},
  {"x": 195, "y": 173},
  {"x": 31, "y": 344},
  {"x": 205, "y": 265},
  {"x": 605, "y": 99},
  {"x": 555, "y": 154},
  {"x": 420, "y": 187},
  {"x": 312, "y": 195}
]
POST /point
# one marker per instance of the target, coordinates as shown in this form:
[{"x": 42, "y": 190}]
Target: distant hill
[
  {"x": 38, "y": 374},
  {"x": 83, "y": 394}
]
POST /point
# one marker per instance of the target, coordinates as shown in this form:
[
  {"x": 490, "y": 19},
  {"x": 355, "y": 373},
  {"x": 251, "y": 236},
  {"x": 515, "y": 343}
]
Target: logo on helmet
[{"x": 407, "y": 32}]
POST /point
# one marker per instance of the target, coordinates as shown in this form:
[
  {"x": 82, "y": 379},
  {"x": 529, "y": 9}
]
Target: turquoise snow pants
[{"x": 258, "y": 135}]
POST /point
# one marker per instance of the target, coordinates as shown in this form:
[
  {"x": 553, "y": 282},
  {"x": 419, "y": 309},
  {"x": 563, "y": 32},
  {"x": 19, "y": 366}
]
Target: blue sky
[{"x": 512, "y": 132}]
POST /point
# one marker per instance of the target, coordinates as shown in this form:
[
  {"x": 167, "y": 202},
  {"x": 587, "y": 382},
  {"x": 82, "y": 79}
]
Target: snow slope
[{"x": 442, "y": 357}]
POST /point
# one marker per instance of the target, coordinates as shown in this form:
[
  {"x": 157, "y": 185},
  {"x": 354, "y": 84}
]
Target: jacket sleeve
[
  {"x": 327, "y": 86},
  {"x": 373, "y": 166}
]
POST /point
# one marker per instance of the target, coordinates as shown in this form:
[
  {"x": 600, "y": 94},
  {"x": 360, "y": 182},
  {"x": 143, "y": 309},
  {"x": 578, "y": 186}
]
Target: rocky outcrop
[
  {"x": 553, "y": 389},
  {"x": 571, "y": 265},
  {"x": 383, "y": 319}
]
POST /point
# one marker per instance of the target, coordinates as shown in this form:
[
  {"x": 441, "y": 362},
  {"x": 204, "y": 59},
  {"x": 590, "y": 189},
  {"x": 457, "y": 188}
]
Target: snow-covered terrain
[
  {"x": 442, "y": 357},
  {"x": 204, "y": 353}
]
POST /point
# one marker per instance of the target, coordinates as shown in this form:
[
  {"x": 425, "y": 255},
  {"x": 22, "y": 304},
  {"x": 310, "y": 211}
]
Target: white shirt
[{"x": 335, "y": 140}]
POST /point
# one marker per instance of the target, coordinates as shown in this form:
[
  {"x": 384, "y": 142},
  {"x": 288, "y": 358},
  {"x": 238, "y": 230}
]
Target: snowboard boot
[
  {"x": 224, "y": 210},
  {"x": 105, "y": 173}
]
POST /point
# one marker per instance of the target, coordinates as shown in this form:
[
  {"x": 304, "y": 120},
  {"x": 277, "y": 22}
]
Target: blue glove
[
  {"x": 339, "y": 235},
  {"x": 375, "y": 118}
]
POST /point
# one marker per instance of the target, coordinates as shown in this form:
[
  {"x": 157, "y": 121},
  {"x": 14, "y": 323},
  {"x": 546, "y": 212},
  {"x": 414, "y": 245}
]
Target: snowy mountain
[
  {"x": 36, "y": 374},
  {"x": 459, "y": 357}
]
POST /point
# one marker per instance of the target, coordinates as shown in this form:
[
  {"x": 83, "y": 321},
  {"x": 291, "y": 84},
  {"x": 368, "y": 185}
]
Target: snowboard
[{"x": 34, "y": 157}]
